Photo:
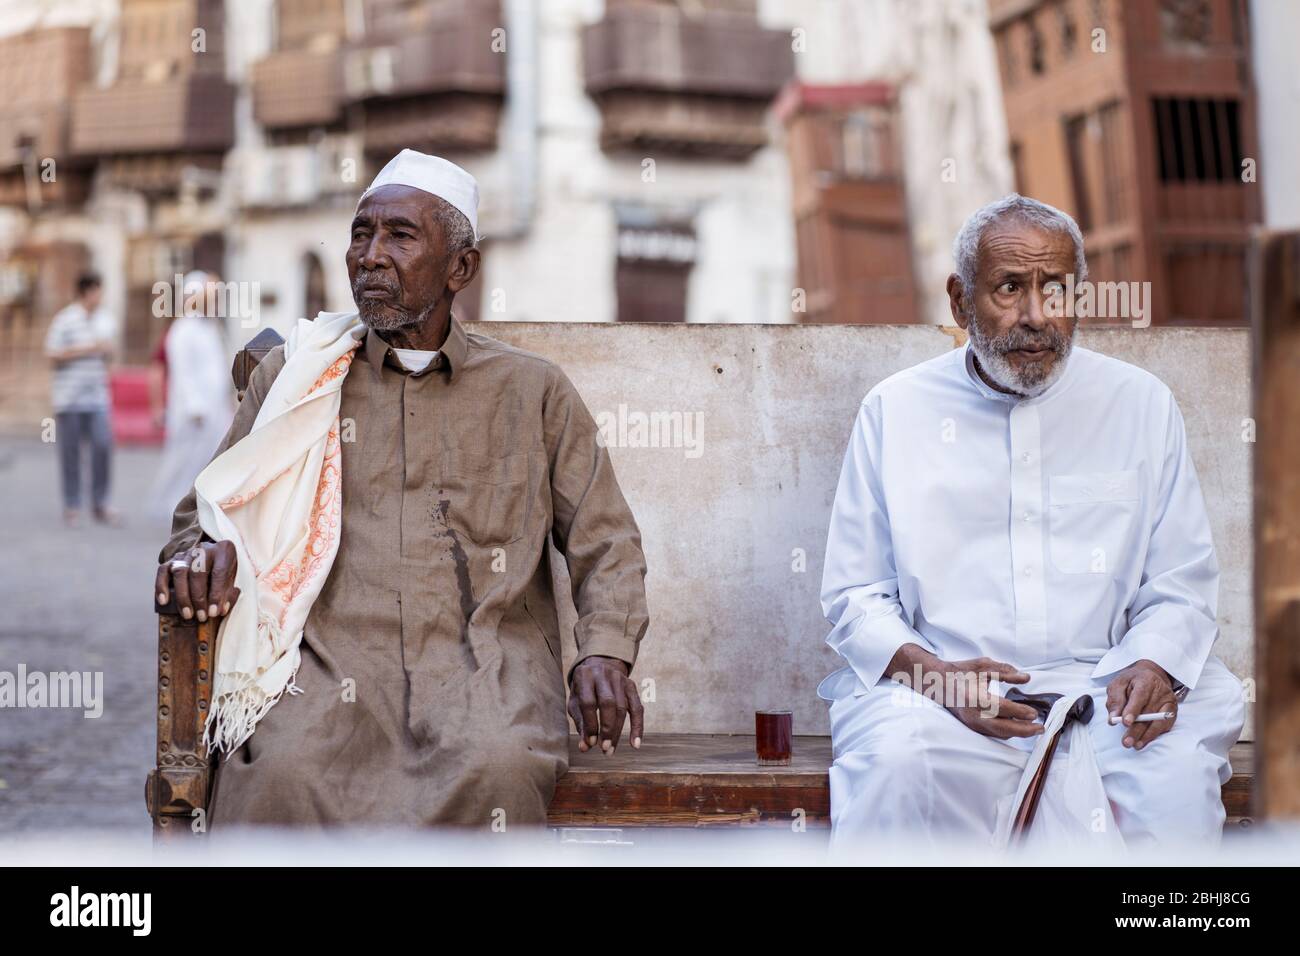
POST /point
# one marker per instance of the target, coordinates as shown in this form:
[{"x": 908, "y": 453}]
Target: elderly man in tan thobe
[{"x": 398, "y": 661}]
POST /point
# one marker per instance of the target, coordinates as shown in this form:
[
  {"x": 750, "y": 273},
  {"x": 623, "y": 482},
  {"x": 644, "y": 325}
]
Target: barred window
[{"x": 1198, "y": 140}]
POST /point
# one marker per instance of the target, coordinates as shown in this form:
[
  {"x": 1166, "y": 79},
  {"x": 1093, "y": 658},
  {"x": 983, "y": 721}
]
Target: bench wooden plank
[
  {"x": 693, "y": 780},
  {"x": 696, "y": 780}
]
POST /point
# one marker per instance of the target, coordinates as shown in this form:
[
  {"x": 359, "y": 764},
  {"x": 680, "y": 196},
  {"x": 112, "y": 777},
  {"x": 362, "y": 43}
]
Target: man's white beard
[
  {"x": 1027, "y": 381},
  {"x": 388, "y": 320}
]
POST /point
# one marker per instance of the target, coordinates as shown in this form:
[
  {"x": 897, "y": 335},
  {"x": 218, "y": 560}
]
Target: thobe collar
[
  {"x": 451, "y": 354},
  {"x": 988, "y": 391}
]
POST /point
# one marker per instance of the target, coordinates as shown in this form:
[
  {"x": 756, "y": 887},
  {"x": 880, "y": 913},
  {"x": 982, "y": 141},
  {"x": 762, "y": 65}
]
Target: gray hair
[
  {"x": 455, "y": 226},
  {"x": 965, "y": 248}
]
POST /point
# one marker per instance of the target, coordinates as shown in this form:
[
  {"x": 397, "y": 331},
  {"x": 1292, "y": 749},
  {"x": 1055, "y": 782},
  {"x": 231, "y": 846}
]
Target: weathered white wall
[
  {"x": 562, "y": 267},
  {"x": 734, "y": 626}
]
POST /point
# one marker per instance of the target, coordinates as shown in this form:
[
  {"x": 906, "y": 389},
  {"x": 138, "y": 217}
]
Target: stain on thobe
[{"x": 432, "y": 689}]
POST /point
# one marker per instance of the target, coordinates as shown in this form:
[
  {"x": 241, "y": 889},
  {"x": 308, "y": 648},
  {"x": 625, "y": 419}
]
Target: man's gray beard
[
  {"x": 1027, "y": 381},
  {"x": 388, "y": 319}
]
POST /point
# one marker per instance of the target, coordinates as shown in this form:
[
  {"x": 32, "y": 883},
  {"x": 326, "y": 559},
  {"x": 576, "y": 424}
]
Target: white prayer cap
[{"x": 433, "y": 175}]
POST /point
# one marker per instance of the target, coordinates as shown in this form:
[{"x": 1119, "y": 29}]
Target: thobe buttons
[
  {"x": 1029, "y": 572},
  {"x": 1029, "y": 516},
  {"x": 1025, "y": 458}
]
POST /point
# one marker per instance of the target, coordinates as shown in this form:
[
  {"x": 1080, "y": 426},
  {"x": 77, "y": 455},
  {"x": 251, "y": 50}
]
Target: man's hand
[
  {"x": 602, "y": 695},
  {"x": 1141, "y": 688},
  {"x": 979, "y": 708},
  {"x": 202, "y": 579},
  {"x": 966, "y": 694}
]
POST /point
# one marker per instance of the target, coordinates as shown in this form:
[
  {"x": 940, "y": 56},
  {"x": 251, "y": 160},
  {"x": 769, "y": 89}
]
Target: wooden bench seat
[{"x": 698, "y": 780}]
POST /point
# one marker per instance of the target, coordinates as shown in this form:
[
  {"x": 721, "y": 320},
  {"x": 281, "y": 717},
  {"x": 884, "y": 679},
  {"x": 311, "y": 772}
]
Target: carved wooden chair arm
[
  {"x": 179, "y": 787},
  {"x": 181, "y": 783}
]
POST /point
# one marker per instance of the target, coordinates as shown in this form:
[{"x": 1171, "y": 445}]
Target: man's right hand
[
  {"x": 202, "y": 578},
  {"x": 965, "y": 691}
]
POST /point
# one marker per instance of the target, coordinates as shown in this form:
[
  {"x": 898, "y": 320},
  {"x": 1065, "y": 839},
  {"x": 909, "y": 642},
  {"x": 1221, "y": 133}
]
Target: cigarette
[{"x": 1147, "y": 718}]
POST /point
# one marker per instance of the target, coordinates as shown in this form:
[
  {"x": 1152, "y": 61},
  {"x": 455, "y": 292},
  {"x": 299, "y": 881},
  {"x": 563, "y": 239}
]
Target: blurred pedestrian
[
  {"x": 80, "y": 344},
  {"x": 199, "y": 404}
]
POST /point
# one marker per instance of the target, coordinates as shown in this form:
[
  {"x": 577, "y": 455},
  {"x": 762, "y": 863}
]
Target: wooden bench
[
  {"x": 693, "y": 780},
  {"x": 700, "y": 780},
  {"x": 675, "y": 780}
]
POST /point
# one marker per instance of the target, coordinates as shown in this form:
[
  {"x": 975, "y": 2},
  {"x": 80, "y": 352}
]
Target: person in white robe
[
  {"x": 200, "y": 396},
  {"x": 1026, "y": 511}
]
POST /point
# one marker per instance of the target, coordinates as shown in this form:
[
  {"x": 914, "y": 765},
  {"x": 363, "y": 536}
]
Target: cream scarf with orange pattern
[{"x": 277, "y": 495}]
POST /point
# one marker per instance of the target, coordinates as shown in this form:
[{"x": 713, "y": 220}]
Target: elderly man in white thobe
[{"x": 1027, "y": 512}]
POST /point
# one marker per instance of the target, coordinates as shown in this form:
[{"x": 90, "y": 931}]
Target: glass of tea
[{"x": 773, "y": 736}]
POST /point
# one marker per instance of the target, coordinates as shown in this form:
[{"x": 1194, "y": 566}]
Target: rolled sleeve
[
  {"x": 605, "y": 638},
  {"x": 868, "y": 641},
  {"x": 1155, "y": 648}
]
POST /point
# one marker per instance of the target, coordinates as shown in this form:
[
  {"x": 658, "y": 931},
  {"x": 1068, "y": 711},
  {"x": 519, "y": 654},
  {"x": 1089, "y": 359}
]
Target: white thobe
[
  {"x": 199, "y": 406},
  {"x": 1064, "y": 534}
]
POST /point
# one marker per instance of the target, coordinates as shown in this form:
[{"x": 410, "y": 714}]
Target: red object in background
[{"x": 132, "y": 417}]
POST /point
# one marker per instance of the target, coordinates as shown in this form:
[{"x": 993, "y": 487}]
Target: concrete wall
[{"x": 735, "y": 534}]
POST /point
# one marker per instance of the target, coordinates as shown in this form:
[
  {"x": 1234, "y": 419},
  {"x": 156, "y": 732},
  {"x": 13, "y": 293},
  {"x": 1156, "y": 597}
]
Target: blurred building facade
[
  {"x": 664, "y": 160},
  {"x": 633, "y": 162},
  {"x": 1140, "y": 120}
]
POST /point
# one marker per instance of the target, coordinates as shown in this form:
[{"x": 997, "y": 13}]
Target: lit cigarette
[{"x": 1147, "y": 718}]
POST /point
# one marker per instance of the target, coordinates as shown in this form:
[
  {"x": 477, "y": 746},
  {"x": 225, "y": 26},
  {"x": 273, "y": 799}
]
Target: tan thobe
[{"x": 432, "y": 686}]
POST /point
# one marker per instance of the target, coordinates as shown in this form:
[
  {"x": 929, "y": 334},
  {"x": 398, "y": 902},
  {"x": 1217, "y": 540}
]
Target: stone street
[{"x": 77, "y": 600}]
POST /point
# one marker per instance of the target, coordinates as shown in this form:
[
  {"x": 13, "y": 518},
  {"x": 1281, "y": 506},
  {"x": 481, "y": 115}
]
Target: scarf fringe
[{"x": 235, "y": 714}]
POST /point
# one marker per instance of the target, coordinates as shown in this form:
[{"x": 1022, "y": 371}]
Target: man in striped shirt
[{"x": 79, "y": 343}]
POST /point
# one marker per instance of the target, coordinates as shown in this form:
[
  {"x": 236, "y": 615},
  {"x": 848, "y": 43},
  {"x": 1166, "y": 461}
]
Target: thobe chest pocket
[
  {"x": 487, "y": 498},
  {"x": 1091, "y": 520}
]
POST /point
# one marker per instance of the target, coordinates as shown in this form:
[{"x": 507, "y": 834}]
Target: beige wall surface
[{"x": 725, "y": 517}]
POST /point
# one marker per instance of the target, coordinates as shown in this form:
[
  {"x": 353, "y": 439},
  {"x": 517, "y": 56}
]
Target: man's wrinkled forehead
[
  {"x": 1020, "y": 246},
  {"x": 395, "y": 201}
]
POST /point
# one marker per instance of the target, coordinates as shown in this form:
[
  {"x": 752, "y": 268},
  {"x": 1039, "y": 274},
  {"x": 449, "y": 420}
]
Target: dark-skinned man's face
[
  {"x": 1021, "y": 342},
  {"x": 397, "y": 260}
]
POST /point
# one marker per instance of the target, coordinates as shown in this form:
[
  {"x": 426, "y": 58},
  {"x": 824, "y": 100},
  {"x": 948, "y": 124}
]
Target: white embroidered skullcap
[{"x": 433, "y": 175}]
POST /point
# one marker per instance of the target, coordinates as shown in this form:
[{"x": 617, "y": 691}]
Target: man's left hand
[
  {"x": 601, "y": 697},
  {"x": 1144, "y": 687}
]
